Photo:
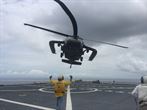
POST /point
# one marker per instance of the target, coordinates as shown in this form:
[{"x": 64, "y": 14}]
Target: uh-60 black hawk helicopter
[{"x": 73, "y": 46}]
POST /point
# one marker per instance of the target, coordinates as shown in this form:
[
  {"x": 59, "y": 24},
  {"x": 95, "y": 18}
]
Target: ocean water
[
  {"x": 21, "y": 81},
  {"x": 30, "y": 81},
  {"x": 123, "y": 81}
]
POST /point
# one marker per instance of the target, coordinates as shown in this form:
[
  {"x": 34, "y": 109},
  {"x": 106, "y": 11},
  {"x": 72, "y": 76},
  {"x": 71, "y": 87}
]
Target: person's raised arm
[
  {"x": 50, "y": 79},
  {"x": 71, "y": 78}
]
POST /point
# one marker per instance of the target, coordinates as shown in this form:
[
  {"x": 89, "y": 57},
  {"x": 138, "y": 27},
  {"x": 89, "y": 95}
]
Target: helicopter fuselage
[{"x": 72, "y": 49}]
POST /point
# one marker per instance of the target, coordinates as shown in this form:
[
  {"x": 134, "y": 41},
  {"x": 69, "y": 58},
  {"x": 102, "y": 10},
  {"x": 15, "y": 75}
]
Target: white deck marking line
[
  {"x": 91, "y": 91},
  {"x": 18, "y": 90},
  {"x": 42, "y": 90},
  {"x": 25, "y": 104},
  {"x": 68, "y": 100},
  {"x": 109, "y": 91},
  {"x": 121, "y": 92}
]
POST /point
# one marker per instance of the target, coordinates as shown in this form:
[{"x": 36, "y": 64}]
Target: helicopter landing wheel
[
  {"x": 59, "y": 44},
  {"x": 81, "y": 58},
  {"x": 61, "y": 55},
  {"x": 87, "y": 50}
]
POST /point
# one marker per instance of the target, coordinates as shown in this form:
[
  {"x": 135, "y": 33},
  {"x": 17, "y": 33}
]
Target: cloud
[
  {"x": 108, "y": 20},
  {"x": 133, "y": 64},
  {"x": 134, "y": 61},
  {"x": 25, "y": 50}
]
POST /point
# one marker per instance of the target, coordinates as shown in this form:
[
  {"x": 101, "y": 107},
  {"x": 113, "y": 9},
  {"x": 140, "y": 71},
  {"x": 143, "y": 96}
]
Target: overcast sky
[{"x": 24, "y": 51}]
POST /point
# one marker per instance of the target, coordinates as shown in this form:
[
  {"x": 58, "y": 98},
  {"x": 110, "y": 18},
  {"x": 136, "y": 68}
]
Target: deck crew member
[
  {"x": 140, "y": 94},
  {"x": 59, "y": 87}
]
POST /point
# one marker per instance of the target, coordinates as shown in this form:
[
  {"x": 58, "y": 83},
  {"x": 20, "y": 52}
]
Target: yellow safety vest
[{"x": 59, "y": 87}]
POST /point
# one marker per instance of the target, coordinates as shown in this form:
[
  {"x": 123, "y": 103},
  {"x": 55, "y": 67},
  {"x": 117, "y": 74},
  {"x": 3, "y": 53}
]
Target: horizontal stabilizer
[{"x": 71, "y": 62}]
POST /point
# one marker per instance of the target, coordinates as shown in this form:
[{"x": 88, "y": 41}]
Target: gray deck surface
[{"x": 107, "y": 97}]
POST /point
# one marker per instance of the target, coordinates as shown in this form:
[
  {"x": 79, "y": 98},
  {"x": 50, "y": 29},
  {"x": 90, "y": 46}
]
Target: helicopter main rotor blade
[
  {"x": 59, "y": 33},
  {"x": 107, "y": 43},
  {"x": 70, "y": 15}
]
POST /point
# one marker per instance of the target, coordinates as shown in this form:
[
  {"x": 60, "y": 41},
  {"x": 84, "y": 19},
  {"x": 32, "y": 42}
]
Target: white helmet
[
  {"x": 61, "y": 77},
  {"x": 144, "y": 79}
]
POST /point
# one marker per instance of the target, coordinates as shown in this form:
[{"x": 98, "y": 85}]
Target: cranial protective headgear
[
  {"x": 144, "y": 79},
  {"x": 61, "y": 77}
]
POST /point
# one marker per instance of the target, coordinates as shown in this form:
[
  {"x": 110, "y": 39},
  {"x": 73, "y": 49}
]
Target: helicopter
[{"x": 73, "y": 47}]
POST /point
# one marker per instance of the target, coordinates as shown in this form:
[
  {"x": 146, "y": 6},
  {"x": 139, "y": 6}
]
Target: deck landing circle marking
[{"x": 90, "y": 90}]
